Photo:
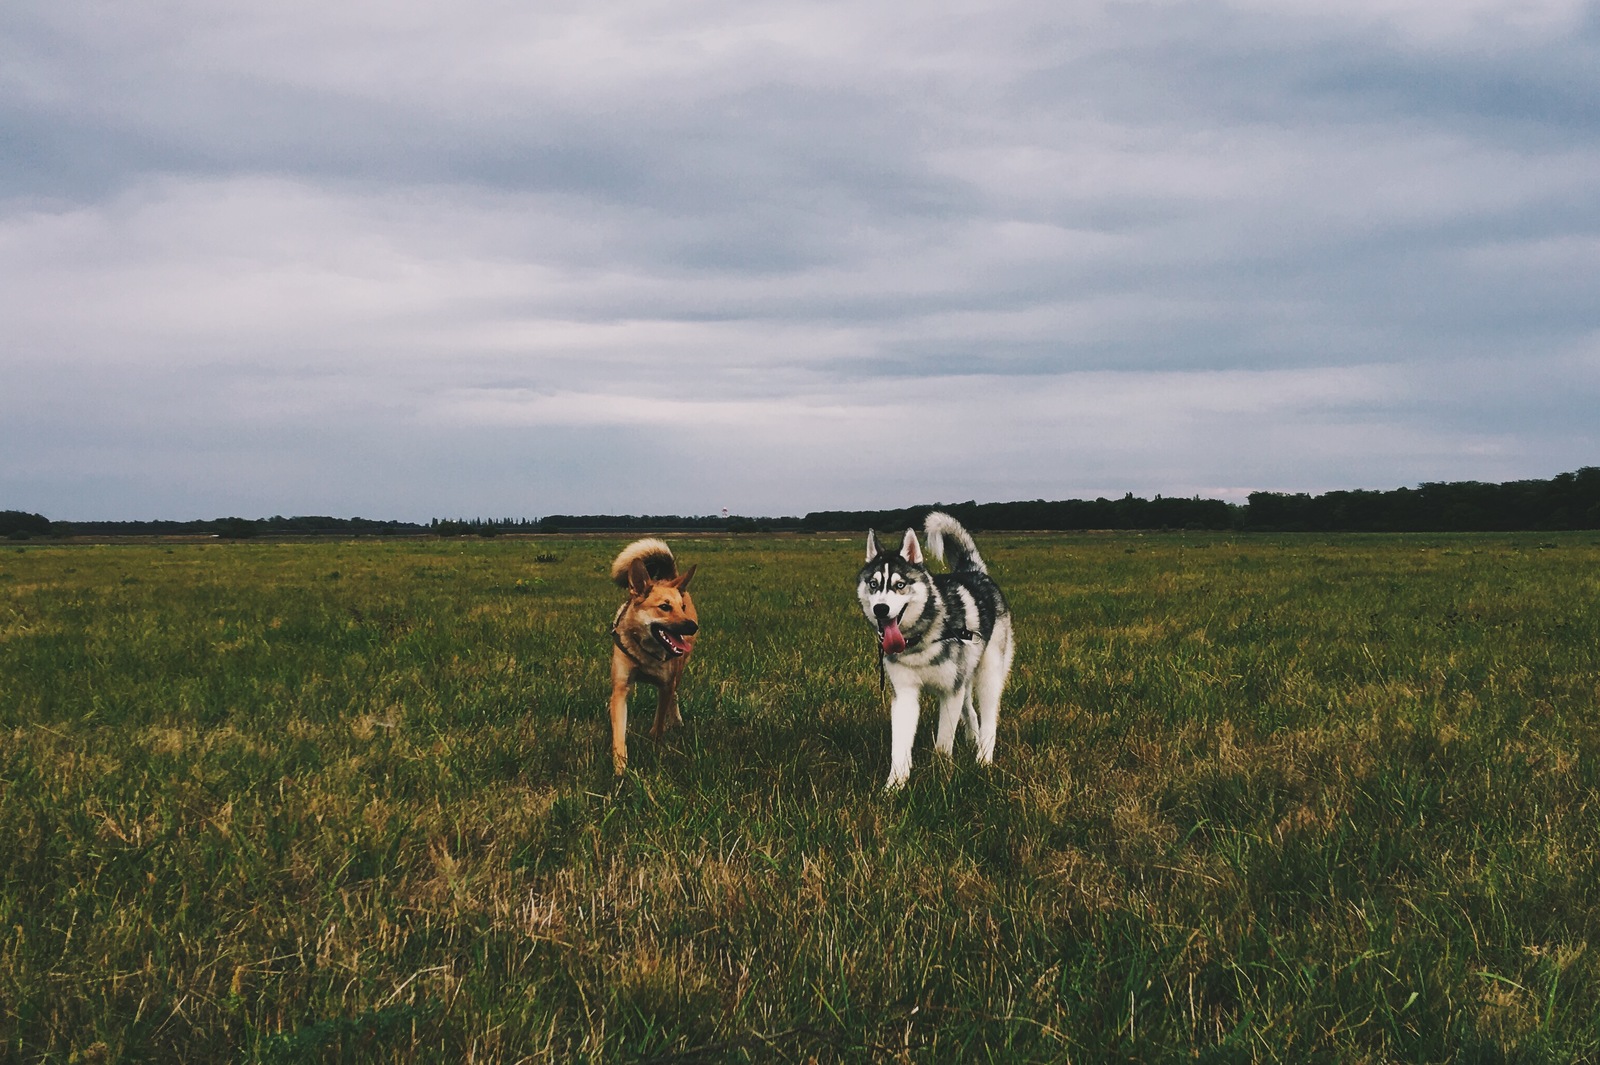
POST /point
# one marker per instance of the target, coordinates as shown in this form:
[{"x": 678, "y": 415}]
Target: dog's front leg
[
  {"x": 619, "y": 715},
  {"x": 902, "y": 730}
]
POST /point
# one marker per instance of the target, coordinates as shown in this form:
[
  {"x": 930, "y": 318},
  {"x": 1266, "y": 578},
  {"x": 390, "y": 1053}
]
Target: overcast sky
[{"x": 508, "y": 259}]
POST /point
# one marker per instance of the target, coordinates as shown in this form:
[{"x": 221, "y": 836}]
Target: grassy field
[{"x": 1278, "y": 799}]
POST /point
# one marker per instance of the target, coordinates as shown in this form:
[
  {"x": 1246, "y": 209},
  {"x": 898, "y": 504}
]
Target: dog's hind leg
[
  {"x": 667, "y": 715},
  {"x": 988, "y": 682},
  {"x": 952, "y": 708},
  {"x": 969, "y": 716}
]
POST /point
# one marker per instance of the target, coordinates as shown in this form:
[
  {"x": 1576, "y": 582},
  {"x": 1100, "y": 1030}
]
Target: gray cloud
[{"x": 405, "y": 261}]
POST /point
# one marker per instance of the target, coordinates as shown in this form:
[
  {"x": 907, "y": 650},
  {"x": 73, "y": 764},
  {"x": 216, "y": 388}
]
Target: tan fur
[{"x": 657, "y": 596}]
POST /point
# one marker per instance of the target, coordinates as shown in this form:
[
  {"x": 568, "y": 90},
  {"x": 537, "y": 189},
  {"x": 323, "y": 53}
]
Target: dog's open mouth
[
  {"x": 674, "y": 643},
  {"x": 892, "y": 640}
]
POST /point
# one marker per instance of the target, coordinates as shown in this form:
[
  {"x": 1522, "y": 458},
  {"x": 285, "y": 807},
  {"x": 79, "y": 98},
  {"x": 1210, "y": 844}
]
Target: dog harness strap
[{"x": 616, "y": 638}]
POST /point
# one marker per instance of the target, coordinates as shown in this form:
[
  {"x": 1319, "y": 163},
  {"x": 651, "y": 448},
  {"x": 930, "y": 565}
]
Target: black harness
[
  {"x": 629, "y": 654},
  {"x": 616, "y": 637}
]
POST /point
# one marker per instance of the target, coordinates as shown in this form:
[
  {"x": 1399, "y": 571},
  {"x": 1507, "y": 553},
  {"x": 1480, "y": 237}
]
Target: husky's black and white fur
[{"x": 950, "y": 632}]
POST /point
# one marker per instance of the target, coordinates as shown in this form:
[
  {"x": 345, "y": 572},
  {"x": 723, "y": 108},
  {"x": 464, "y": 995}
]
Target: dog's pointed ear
[
  {"x": 638, "y": 577},
  {"x": 911, "y": 551},
  {"x": 872, "y": 545},
  {"x": 681, "y": 582}
]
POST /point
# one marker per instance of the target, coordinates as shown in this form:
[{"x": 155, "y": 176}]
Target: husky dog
[
  {"x": 947, "y": 631},
  {"x": 652, "y": 636}
]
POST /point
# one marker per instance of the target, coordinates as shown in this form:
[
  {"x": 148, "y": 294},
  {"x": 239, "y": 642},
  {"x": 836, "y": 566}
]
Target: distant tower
[{"x": 724, "y": 512}]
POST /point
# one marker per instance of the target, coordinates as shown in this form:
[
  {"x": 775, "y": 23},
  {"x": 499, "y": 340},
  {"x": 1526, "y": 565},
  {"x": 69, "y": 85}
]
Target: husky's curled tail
[
  {"x": 964, "y": 557},
  {"x": 656, "y": 556}
]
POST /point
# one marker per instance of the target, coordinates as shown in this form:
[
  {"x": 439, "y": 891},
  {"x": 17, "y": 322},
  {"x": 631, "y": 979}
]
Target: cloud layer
[{"x": 409, "y": 260}]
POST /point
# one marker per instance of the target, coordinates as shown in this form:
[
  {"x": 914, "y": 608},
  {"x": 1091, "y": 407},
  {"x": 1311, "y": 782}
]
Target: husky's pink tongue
[{"x": 893, "y": 641}]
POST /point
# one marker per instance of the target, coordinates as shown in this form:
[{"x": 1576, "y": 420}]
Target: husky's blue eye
[{"x": 899, "y": 586}]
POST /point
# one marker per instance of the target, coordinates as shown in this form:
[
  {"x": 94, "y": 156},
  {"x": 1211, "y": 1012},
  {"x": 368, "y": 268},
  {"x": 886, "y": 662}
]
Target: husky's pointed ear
[
  {"x": 638, "y": 577},
  {"x": 872, "y": 545},
  {"x": 911, "y": 551},
  {"x": 681, "y": 582}
]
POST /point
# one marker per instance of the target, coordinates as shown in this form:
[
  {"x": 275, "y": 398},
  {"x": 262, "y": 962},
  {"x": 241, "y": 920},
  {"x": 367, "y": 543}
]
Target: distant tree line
[
  {"x": 20, "y": 525},
  {"x": 226, "y": 528},
  {"x": 481, "y": 526},
  {"x": 665, "y": 523},
  {"x": 1129, "y": 512},
  {"x": 1567, "y": 501}
]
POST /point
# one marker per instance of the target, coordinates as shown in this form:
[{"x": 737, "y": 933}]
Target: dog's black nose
[
  {"x": 689, "y": 629},
  {"x": 881, "y": 609}
]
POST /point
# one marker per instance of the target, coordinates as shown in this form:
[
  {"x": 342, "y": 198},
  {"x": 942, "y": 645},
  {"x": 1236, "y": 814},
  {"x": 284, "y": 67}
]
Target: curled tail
[
  {"x": 964, "y": 555},
  {"x": 656, "y": 556}
]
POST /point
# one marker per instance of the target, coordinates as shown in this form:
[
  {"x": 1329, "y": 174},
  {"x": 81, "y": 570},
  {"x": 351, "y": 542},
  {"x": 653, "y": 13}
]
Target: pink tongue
[
  {"x": 893, "y": 642},
  {"x": 674, "y": 643}
]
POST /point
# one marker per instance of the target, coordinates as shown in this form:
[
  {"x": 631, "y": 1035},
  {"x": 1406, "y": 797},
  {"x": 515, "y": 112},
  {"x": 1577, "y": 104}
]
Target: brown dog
[{"x": 652, "y": 635}]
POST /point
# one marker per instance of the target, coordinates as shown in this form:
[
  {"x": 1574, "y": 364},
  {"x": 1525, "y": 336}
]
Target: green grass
[{"x": 1278, "y": 799}]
